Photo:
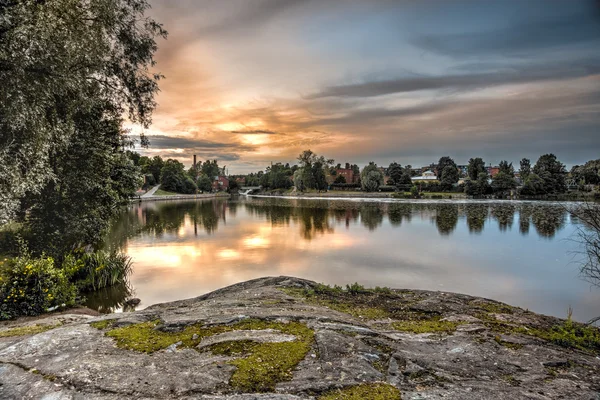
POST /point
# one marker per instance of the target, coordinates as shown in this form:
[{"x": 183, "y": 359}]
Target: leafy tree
[
  {"x": 396, "y": 173},
  {"x": 552, "y": 172},
  {"x": 505, "y": 178},
  {"x": 478, "y": 187},
  {"x": 211, "y": 168},
  {"x": 63, "y": 59},
  {"x": 174, "y": 178},
  {"x": 371, "y": 177},
  {"x": 319, "y": 176},
  {"x": 442, "y": 164},
  {"x": 154, "y": 166},
  {"x": 204, "y": 183},
  {"x": 92, "y": 177},
  {"x": 533, "y": 185},
  {"x": 587, "y": 174},
  {"x": 299, "y": 180},
  {"x": 525, "y": 169},
  {"x": 476, "y": 166},
  {"x": 449, "y": 177},
  {"x": 340, "y": 179}
]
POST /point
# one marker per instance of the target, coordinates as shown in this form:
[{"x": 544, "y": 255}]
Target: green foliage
[
  {"x": 174, "y": 178},
  {"x": 533, "y": 186},
  {"x": 503, "y": 182},
  {"x": 63, "y": 58},
  {"x": 340, "y": 179},
  {"x": 476, "y": 166},
  {"x": 365, "y": 391},
  {"x": 525, "y": 169},
  {"x": 29, "y": 286},
  {"x": 319, "y": 176},
  {"x": 355, "y": 288},
  {"x": 552, "y": 172},
  {"x": 414, "y": 191},
  {"x": 371, "y": 177},
  {"x": 441, "y": 166},
  {"x": 449, "y": 176},
  {"x": 478, "y": 187},
  {"x": 92, "y": 178},
  {"x": 152, "y": 166},
  {"x": 574, "y": 335},
  {"x": 587, "y": 174},
  {"x": 204, "y": 183},
  {"x": 97, "y": 270}
]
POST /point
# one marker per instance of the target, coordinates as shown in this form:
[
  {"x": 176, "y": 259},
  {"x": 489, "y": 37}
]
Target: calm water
[{"x": 519, "y": 253}]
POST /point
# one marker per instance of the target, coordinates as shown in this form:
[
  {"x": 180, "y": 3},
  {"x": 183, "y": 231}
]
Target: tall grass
[{"x": 98, "y": 270}]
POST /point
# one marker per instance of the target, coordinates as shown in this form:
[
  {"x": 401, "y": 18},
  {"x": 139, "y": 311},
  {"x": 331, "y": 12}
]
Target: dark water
[{"x": 516, "y": 252}]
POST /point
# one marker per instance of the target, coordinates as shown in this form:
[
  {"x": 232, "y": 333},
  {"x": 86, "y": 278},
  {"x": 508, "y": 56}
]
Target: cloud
[
  {"x": 513, "y": 75},
  {"x": 255, "y": 132}
]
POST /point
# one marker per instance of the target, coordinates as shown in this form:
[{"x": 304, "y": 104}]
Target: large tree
[
  {"x": 442, "y": 164},
  {"x": 476, "y": 166},
  {"x": 525, "y": 169},
  {"x": 60, "y": 60},
  {"x": 552, "y": 172},
  {"x": 371, "y": 177}
]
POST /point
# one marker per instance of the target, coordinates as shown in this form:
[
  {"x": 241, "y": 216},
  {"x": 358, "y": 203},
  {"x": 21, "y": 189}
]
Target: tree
[
  {"x": 211, "y": 168},
  {"x": 396, "y": 173},
  {"x": 63, "y": 60},
  {"x": 319, "y": 176},
  {"x": 587, "y": 174},
  {"x": 478, "y": 187},
  {"x": 552, "y": 172},
  {"x": 154, "y": 166},
  {"x": 525, "y": 169},
  {"x": 92, "y": 178},
  {"x": 449, "y": 177},
  {"x": 443, "y": 163},
  {"x": 371, "y": 177},
  {"x": 505, "y": 178},
  {"x": 476, "y": 166},
  {"x": 340, "y": 179},
  {"x": 204, "y": 183},
  {"x": 533, "y": 185},
  {"x": 174, "y": 178},
  {"x": 298, "y": 180}
]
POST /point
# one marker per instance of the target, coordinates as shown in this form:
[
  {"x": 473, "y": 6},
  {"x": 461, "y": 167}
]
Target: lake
[{"x": 520, "y": 253}]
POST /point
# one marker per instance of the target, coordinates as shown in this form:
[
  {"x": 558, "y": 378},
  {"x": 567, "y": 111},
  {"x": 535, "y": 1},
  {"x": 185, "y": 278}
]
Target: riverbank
[
  {"x": 292, "y": 339},
  {"x": 360, "y": 195},
  {"x": 178, "y": 197}
]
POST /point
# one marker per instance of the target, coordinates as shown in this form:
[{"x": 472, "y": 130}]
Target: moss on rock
[
  {"x": 367, "y": 391},
  {"x": 27, "y": 330},
  {"x": 259, "y": 369},
  {"x": 433, "y": 325}
]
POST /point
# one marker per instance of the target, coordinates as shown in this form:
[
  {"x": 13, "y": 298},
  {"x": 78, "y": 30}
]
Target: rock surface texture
[{"x": 288, "y": 338}]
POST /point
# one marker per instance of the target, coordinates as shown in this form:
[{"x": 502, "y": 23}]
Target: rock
[{"x": 464, "y": 359}]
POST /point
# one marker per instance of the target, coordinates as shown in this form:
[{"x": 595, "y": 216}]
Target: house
[
  {"x": 427, "y": 176},
  {"x": 492, "y": 171},
  {"x": 220, "y": 183},
  {"x": 241, "y": 181},
  {"x": 347, "y": 173}
]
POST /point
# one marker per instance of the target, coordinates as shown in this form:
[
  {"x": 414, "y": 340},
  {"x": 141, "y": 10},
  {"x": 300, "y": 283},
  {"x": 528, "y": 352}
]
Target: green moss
[
  {"x": 270, "y": 363},
  {"x": 512, "y": 381},
  {"x": 434, "y": 325},
  {"x": 104, "y": 324},
  {"x": 367, "y": 391},
  {"x": 27, "y": 330},
  {"x": 232, "y": 347},
  {"x": 263, "y": 366},
  {"x": 514, "y": 346},
  {"x": 496, "y": 308}
]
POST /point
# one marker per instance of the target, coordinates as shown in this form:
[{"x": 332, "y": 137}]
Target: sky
[{"x": 250, "y": 82}]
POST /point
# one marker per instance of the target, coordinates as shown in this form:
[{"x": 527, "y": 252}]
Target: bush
[
  {"x": 30, "y": 286},
  {"x": 94, "y": 271},
  {"x": 387, "y": 188}
]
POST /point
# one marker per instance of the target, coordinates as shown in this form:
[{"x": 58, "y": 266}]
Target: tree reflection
[
  {"x": 446, "y": 218},
  {"x": 109, "y": 299},
  {"x": 504, "y": 214},
  {"x": 548, "y": 221},
  {"x": 476, "y": 216},
  {"x": 371, "y": 216},
  {"x": 397, "y": 212}
]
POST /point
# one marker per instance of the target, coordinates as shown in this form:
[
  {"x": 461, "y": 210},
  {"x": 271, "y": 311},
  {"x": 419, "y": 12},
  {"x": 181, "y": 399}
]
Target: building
[
  {"x": 347, "y": 173},
  {"x": 241, "y": 180},
  {"x": 220, "y": 183},
  {"x": 492, "y": 171},
  {"x": 427, "y": 176}
]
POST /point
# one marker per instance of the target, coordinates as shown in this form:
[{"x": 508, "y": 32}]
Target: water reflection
[{"x": 184, "y": 249}]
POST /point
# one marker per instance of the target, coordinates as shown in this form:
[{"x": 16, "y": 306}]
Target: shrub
[
  {"x": 93, "y": 271},
  {"x": 29, "y": 286},
  {"x": 387, "y": 188}
]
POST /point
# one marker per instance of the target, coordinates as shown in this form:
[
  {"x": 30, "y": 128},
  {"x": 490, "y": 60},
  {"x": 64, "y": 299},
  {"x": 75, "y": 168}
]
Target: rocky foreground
[{"x": 287, "y": 338}]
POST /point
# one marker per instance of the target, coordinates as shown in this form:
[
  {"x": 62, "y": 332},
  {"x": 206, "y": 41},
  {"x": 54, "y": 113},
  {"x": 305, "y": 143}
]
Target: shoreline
[{"x": 142, "y": 199}]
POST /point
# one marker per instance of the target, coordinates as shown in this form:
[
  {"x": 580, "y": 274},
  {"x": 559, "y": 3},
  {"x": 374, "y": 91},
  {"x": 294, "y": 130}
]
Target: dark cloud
[
  {"x": 514, "y": 75},
  {"x": 255, "y": 132},
  {"x": 177, "y": 142},
  {"x": 578, "y": 27}
]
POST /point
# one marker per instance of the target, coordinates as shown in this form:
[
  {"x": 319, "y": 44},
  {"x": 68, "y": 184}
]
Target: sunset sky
[{"x": 254, "y": 81}]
